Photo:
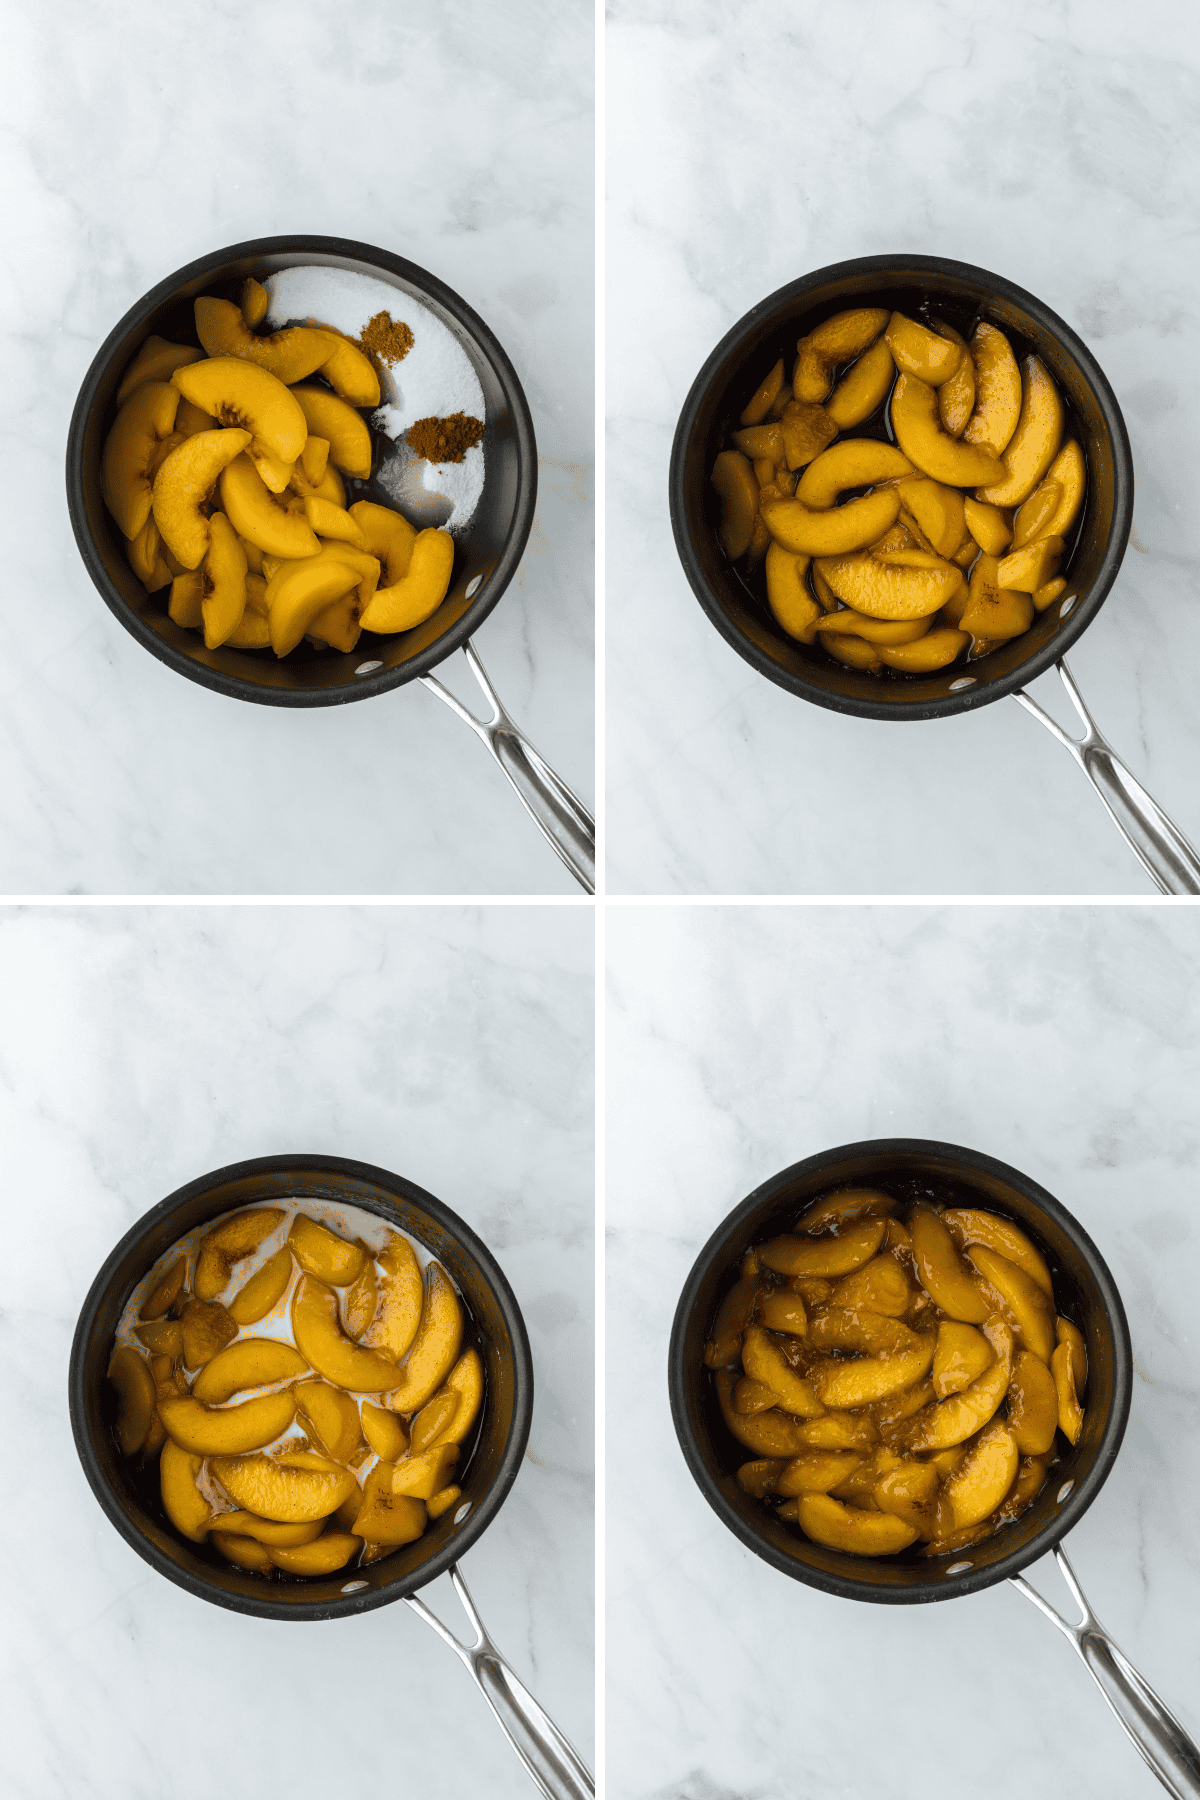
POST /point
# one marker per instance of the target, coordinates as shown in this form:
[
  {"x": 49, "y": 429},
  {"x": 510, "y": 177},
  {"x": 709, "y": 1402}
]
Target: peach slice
[
  {"x": 165, "y": 1292},
  {"x": 126, "y": 466},
  {"x": 301, "y": 590},
  {"x": 207, "y": 1328},
  {"x": 1070, "y": 472},
  {"x": 991, "y": 528},
  {"x": 863, "y": 388},
  {"x": 320, "y": 1338},
  {"x": 891, "y": 592},
  {"x": 765, "y": 1362},
  {"x": 246, "y": 397},
  {"x": 330, "y": 487},
  {"x": 771, "y": 1433},
  {"x": 1027, "y": 570},
  {"x": 418, "y": 594},
  {"x": 960, "y": 1416},
  {"x": 256, "y": 516},
  {"x": 186, "y": 602},
  {"x": 1035, "y": 442},
  {"x": 431, "y": 1425},
  {"x": 223, "y": 600},
  {"x": 956, "y": 396},
  {"x": 250, "y": 1363},
  {"x": 764, "y": 396},
  {"x": 331, "y": 1416},
  {"x": 164, "y": 1337},
  {"x": 971, "y": 1225},
  {"x": 184, "y": 483},
  {"x": 383, "y": 1431},
  {"x": 865, "y": 1379},
  {"x": 985, "y": 1477},
  {"x": 349, "y": 371},
  {"x": 936, "y": 650},
  {"x": 1047, "y": 595},
  {"x": 275, "y": 475},
  {"x": 329, "y": 417},
  {"x": 323, "y": 1253},
  {"x": 833, "y": 532},
  {"x": 806, "y": 431},
  {"x": 1011, "y": 1291},
  {"x": 960, "y": 1357},
  {"x": 916, "y": 350},
  {"x": 724, "y": 1346},
  {"x": 330, "y": 521},
  {"x": 938, "y": 510},
  {"x": 1032, "y": 1405},
  {"x": 733, "y": 478},
  {"x": 387, "y": 535},
  {"x": 255, "y": 302},
  {"x": 229, "y": 1430},
  {"x": 361, "y": 1302},
  {"x": 761, "y": 442},
  {"x": 1031, "y": 1478},
  {"x": 1068, "y": 1366},
  {"x": 327, "y": 1553},
  {"x": 997, "y": 391},
  {"x": 435, "y": 1347},
  {"x": 184, "y": 1504},
  {"x": 232, "y": 1240},
  {"x": 401, "y": 1299},
  {"x": 750, "y": 1397},
  {"x": 157, "y": 360},
  {"x": 269, "y": 1531},
  {"x": 337, "y": 626},
  {"x": 288, "y": 355},
  {"x": 244, "y": 1552},
  {"x": 386, "y": 1517},
  {"x": 911, "y": 1493},
  {"x": 1033, "y": 518},
  {"x": 836, "y": 340},
  {"x": 190, "y": 419},
  {"x": 130, "y": 1375},
  {"x": 782, "y": 1310},
  {"x": 840, "y": 1431},
  {"x": 845, "y": 1328},
  {"x": 814, "y": 1471},
  {"x": 787, "y": 594},
  {"x": 146, "y": 560},
  {"x": 920, "y": 436},
  {"x": 844, "y": 1207},
  {"x": 314, "y": 459},
  {"x": 264, "y": 1290},
  {"x": 465, "y": 1380},
  {"x": 420, "y": 1476},
  {"x": 850, "y": 1528},
  {"x": 942, "y": 1275},
  {"x": 993, "y": 611},
  {"x": 857, "y": 462},
  {"x": 831, "y": 1257},
  {"x": 879, "y": 1286},
  {"x": 292, "y": 1488}
]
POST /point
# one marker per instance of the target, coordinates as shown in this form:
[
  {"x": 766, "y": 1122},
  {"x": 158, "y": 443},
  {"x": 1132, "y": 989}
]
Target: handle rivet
[
  {"x": 354, "y": 1587},
  {"x": 964, "y": 681},
  {"x": 959, "y": 1568},
  {"x": 473, "y": 585},
  {"x": 462, "y": 1513},
  {"x": 368, "y": 668},
  {"x": 1064, "y": 1490},
  {"x": 1068, "y": 605}
]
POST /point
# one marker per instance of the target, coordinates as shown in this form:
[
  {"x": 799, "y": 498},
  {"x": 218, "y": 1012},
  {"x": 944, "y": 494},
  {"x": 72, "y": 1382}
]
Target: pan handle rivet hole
[
  {"x": 368, "y": 668},
  {"x": 1068, "y": 606},
  {"x": 473, "y": 585},
  {"x": 462, "y": 1513},
  {"x": 964, "y": 681},
  {"x": 959, "y": 1568},
  {"x": 1064, "y": 1490},
  {"x": 355, "y": 1587}
]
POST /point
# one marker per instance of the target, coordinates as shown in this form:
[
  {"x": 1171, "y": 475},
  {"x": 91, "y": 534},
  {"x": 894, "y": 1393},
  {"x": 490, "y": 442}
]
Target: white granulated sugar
[{"x": 434, "y": 380}]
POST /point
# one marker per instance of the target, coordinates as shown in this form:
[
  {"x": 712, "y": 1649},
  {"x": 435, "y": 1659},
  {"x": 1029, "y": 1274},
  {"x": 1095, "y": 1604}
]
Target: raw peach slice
[
  {"x": 1027, "y": 570},
  {"x": 331, "y": 1416},
  {"x": 323, "y": 1253},
  {"x": 918, "y": 351},
  {"x": 863, "y": 388},
  {"x": 764, "y": 1361},
  {"x": 246, "y": 397},
  {"x": 227, "y": 1243},
  {"x": 1032, "y": 1405},
  {"x": 971, "y": 1225},
  {"x": 337, "y": 626},
  {"x": 937, "y": 649},
  {"x": 268, "y": 1531},
  {"x": 291, "y": 1488},
  {"x": 329, "y": 417},
  {"x": 157, "y": 360},
  {"x": 387, "y": 535},
  {"x": 435, "y": 1347},
  {"x": 256, "y": 516},
  {"x": 985, "y": 1477},
  {"x": 289, "y": 355},
  {"x": 385, "y": 1517},
  {"x": 942, "y": 1275},
  {"x": 835, "y": 531},
  {"x": 788, "y": 596},
  {"x": 226, "y": 1430},
  {"x": 319, "y": 1337},
  {"x": 184, "y": 1504},
  {"x": 771, "y": 1433},
  {"x": 349, "y": 371},
  {"x": 186, "y": 602},
  {"x": 145, "y": 559},
  {"x": 126, "y": 466},
  {"x": 850, "y": 1528},
  {"x": 314, "y": 459},
  {"x": 865, "y": 1379},
  {"x": 330, "y": 521},
  {"x": 961, "y": 1355},
  {"x": 1035, "y": 442},
  {"x": 953, "y": 1420},
  {"x": 1011, "y": 1291},
  {"x": 764, "y": 396},
  {"x": 190, "y": 419},
  {"x": 255, "y": 302},
  {"x": 879, "y": 1286},
  {"x": 884, "y": 591},
  {"x": 275, "y": 475},
  {"x": 994, "y": 611},
  {"x": 223, "y": 601},
  {"x": 165, "y": 1292},
  {"x": 997, "y": 391},
  {"x": 130, "y": 1375},
  {"x": 264, "y": 1290},
  {"x": 184, "y": 483},
  {"x": 831, "y": 1256},
  {"x": 306, "y": 590},
  {"x": 920, "y": 436},
  {"x": 329, "y": 487},
  {"x": 383, "y": 1431},
  {"x": 858, "y": 462},
  {"x": 956, "y": 396},
  {"x": 331, "y": 1551},
  {"x": 250, "y": 1363},
  {"x": 835, "y": 340},
  {"x": 418, "y": 594}
]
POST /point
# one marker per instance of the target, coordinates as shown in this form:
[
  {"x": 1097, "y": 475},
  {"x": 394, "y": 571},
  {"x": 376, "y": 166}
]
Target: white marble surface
[
  {"x": 1064, "y": 1041},
  {"x": 139, "y": 137},
  {"x": 1057, "y": 144},
  {"x": 140, "y": 1048}
]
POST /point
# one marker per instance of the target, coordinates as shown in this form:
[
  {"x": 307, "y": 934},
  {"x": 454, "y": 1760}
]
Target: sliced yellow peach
[
  {"x": 864, "y": 388},
  {"x": 165, "y": 1291},
  {"x": 852, "y": 1529},
  {"x": 157, "y": 360},
  {"x": 443, "y": 1500},
  {"x": 130, "y": 1375},
  {"x": 733, "y": 478},
  {"x": 936, "y": 650},
  {"x": 288, "y": 355},
  {"x": 349, "y": 371},
  {"x": 393, "y": 1327},
  {"x": 1009, "y": 1290},
  {"x": 243, "y": 1552},
  {"x": 857, "y": 462},
  {"x": 264, "y": 1290},
  {"x": 383, "y": 1431},
  {"x": 184, "y": 483},
  {"x": 254, "y": 632},
  {"x": 330, "y": 487},
  {"x": 229, "y": 1430},
  {"x": 783, "y": 1310},
  {"x": 764, "y": 396},
  {"x": 883, "y": 591},
  {"x": 992, "y": 610},
  {"x": 849, "y": 1328},
  {"x": 435, "y": 1347},
  {"x": 387, "y": 535},
  {"x": 856, "y": 1244},
  {"x": 849, "y": 623},
  {"x": 865, "y": 1379},
  {"x": 418, "y": 594},
  {"x": 1032, "y": 1405},
  {"x": 360, "y": 1302},
  {"x": 321, "y": 1252},
  {"x": 833, "y": 532},
  {"x": 433, "y": 1419},
  {"x": 997, "y": 392},
  {"x": 251, "y": 1362},
  {"x": 845, "y": 1206},
  {"x": 1031, "y": 1478},
  {"x": 1047, "y": 595},
  {"x": 231, "y": 1241},
  {"x": 806, "y": 429},
  {"x": 146, "y": 560},
  {"x": 836, "y": 340},
  {"x": 246, "y": 397},
  {"x": 938, "y": 510},
  {"x": 911, "y": 1493},
  {"x": 386, "y": 1517},
  {"x": 772, "y": 1433},
  {"x": 320, "y": 1338},
  {"x": 724, "y": 1346},
  {"x": 916, "y": 350},
  {"x": 314, "y": 459},
  {"x": 788, "y": 595},
  {"x": 1027, "y": 570},
  {"x": 920, "y": 436},
  {"x": 941, "y": 1271},
  {"x": 224, "y": 597},
  {"x": 759, "y": 1478},
  {"x": 164, "y": 1337},
  {"x": 761, "y": 441},
  {"x": 323, "y": 1556},
  {"x": 274, "y": 474},
  {"x": 959, "y": 1416},
  {"x": 270, "y": 1531},
  {"x": 972, "y": 1225},
  {"x": 330, "y": 521},
  {"x": 956, "y": 395},
  {"x": 1035, "y": 442},
  {"x": 207, "y": 1328},
  {"x": 1032, "y": 520},
  {"x": 815, "y": 1471},
  {"x": 255, "y": 302},
  {"x": 765, "y": 1362},
  {"x": 422, "y": 1475},
  {"x": 186, "y": 603},
  {"x": 960, "y": 1357},
  {"x": 840, "y": 1431},
  {"x": 145, "y": 420},
  {"x": 1070, "y": 472},
  {"x": 190, "y": 419},
  {"x": 465, "y": 1382},
  {"x": 1070, "y": 1413},
  {"x": 291, "y": 1488},
  {"x": 330, "y": 417},
  {"x": 331, "y": 1416},
  {"x": 184, "y": 1504},
  {"x": 301, "y": 590},
  {"x": 257, "y": 517},
  {"x": 880, "y": 1286},
  {"x": 989, "y": 1470}
]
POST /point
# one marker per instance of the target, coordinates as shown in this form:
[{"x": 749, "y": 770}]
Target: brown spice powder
[
  {"x": 384, "y": 339},
  {"x": 444, "y": 440}
]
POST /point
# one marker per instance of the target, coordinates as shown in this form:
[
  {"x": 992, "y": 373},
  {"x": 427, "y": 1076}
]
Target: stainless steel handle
[
  {"x": 1155, "y": 840},
  {"x": 560, "y": 815},
  {"x": 555, "y": 1769},
  {"x": 1154, "y": 1731}
]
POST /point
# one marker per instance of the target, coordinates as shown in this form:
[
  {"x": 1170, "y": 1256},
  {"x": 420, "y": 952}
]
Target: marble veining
[
  {"x": 141, "y": 1047},
  {"x": 460, "y": 139},
  {"x": 1064, "y": 1041},
  {"x": 1057, "y": 144}
]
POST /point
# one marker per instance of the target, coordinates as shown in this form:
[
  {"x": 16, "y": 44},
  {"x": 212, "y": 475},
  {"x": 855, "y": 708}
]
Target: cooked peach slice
[
  {"x": 229, "y": 1430},
  {"x": 1032, "y": 519},
  {"x": 387, "y": 535},
  {"x": 1047, "y": 595},
  {"x": 361, "y": 1300},
  {"x": 844, "y": 1207},
  {"x": 764, "y": 396},
  {"x": 330, "y": 417},
  {"x": 331, "y": 1416},
  {"x": 937, "y": 649},
  {"x": 264, "y": 1290},
  {"x": 772, "y": 1433},
  {"x": 885, "y": 591},
  {"x": 466, "y": 1381},
  {"x": 250, "y": 1363},
  {"x": 916, "y": 350},
  {"x": 994, "y": 611},
  {"x": 806, "y": 429},
  {"x": 165, "y": 1292},
  {"x": 157, "y": 360},
  {"x": 270, "y": 1531},
  {"x": 840, "y": 1431},
  {"x": 184, "y": 1504},
  {"x": 1035, "y": 442},
  {"x": 320, "y": 1338},
  {"x": 830, "y": 1257},
  {"x": 422, "y": 1475},
  {"x": 244, "y": 1552},
  {"x": 724, "y": 1346},
  {"x": 330, "y": 521},
  {"x": 891, "y": 1415},
  {"x": 431, "y": 1425},
  {"x": 953, "y": 1420},
  {"x": 1031, "y": 1478},
  {"x": 1009, "y": 1290},
  {"x": 130, "y": 1375},
  {"x": 418, "y": 594},
  {"x": 864, "y": 388},
  {"x": 288, "y": 355},
  {"x": 835, "y": 340},
  {"x": 764, "y": 1361},
  {"x": 1027, "y": 570},
  {"x": 783, "y": 1310},
  {"x": 787, "y": 594},
  {"x": 383, "y": 1431},
  {"x": 183, "y": 485},
  {"x": 846, "y": 1385},
  {"x": 956, "y": 396},
  {"x": 848, "y": 1328},
  {"x": 942, "y": 1275},
  {"x": 164, "y": 1337},
  {"x": 1068, "y": 1366},
  {"x": 758, "y": 1478},
  {"x": 292, "y": 1487},
  {"x": 938, "y": 510},
  {"x": 386, "y": 1517},
  {"x": 1070, "y": 472},
  {"x": 435, "y": 1347},
  {"x": 815, "y": 1471},
  {"x": 349, "y": 371},
  {"x": 145, "y": 420},
  {"x": 733, "y": 478},
  {"x": 761, "y": 442},
  {"x": 1032, "y": 1405},
  {"x": 323, "y": 1253},
  {"x": 835, "y": 531},
  {"x": 850, "y": 1528},
  {"x": 323, "y": 1556},
  {"x": 207, "y": 1328},
  {"x": 920, "y": 436},
  {"x": 855, "y": 463},
  {"x": 879, "y": 1286},
  {"x": 257, "y": 517},
  {"x": 231, "y": 1241},
  {"x": 750, "y": 1397},
  {"x": 961, "y": 1355},
  {"x": 246, "y": 397},
  {"x": 911, "y": 1493},
  {"x": 989, "y": 1470},
  {"x": 971, "y": 1225},
  {"x": 997, "y": 391}
]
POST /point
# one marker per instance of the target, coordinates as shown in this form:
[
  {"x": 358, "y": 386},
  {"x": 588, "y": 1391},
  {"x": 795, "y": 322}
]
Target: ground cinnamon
[
  {"x": 444, "y": 440},
  {"x": 385, "y": 340}
]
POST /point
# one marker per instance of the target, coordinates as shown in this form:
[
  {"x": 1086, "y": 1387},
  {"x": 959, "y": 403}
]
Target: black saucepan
[
  {"x": 486, "y": 1479},
  {"x": 912, "y": 1167},
  {"x": 961, "y": 294}
]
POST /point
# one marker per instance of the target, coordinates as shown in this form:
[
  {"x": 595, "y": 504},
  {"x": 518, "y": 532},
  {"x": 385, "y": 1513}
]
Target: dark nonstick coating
[
  {"x": 508, "y": 1366},
  {"x": 1081, "y": 1280},
  {"x": 734, "y": 370},
  {"x": 486, "y": 554}
]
